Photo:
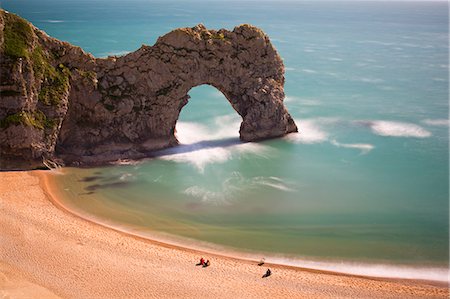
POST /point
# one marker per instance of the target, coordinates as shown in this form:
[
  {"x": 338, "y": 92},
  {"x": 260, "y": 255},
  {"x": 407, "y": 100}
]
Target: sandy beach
[{"x": 47, "y": 252}]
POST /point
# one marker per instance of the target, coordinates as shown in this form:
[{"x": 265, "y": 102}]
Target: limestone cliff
[{"x": 58, "y": 102}]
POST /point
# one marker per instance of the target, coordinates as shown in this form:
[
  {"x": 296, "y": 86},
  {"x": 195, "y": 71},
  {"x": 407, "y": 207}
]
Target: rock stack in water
[{"x": 60, "y": 103}]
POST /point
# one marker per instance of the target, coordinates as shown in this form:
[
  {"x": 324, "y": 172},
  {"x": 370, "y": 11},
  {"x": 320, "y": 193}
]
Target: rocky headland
[{"x": 58, "y": 103}]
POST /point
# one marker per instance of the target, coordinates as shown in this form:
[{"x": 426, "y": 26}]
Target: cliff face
[{"x": 57, "y": 102}]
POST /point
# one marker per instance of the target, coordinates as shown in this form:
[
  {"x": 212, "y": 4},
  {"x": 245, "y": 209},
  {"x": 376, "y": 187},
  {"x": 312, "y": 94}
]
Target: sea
[{"x": 363, "y": 188}]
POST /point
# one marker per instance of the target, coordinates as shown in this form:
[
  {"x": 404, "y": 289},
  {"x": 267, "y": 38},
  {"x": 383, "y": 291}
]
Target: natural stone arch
[
  {"x": 126, "y": 107},
  {"x": 149, "y": 87}
]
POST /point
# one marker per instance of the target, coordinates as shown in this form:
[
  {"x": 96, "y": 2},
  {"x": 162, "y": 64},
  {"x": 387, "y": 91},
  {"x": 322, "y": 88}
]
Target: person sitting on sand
[
  {"x": 268, "y": 273},
  {"x": 202, "y": 262}
]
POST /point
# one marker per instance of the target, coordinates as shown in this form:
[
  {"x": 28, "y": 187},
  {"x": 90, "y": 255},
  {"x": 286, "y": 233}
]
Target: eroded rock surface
[{"x": 58, "y": 102}]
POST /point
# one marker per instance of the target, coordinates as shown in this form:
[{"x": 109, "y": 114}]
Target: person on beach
[
  {"x": 268, "y": 273},
  {"x": 261, "y": 262},
  {"x": 207, "y": 263},
  {"x": 202, "y": 262}
]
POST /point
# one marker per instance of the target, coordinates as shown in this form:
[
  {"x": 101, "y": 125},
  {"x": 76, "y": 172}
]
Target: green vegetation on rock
[
  {"x": 40, "y": 63},
  {"x": 55, "y": 83},
  {"x": 89, "y": 75},
  {"x": 55, "y": 80},
  {"x": 18, "y": 42},
  {"x": 18, "y": 36},
  {"x": 218, "y": 36},
  {"x": 35, "y": 119},
  {"x": 215, "y": 36}
]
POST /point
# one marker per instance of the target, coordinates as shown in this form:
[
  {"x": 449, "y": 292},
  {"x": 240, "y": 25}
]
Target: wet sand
[{"x": 47, "y": 252}]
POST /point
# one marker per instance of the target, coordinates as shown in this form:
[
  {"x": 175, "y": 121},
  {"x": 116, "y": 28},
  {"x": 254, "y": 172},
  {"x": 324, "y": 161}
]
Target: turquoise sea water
[{"x": 366, "y": 180}]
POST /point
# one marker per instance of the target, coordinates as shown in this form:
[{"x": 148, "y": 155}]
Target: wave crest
[
  {"x": 397, "y": 129},
  {"x": 364, "y": 147},
  {"x": 437, "y": 122}
]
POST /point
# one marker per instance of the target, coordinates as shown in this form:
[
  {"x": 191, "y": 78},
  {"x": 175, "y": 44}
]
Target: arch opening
[{"x": 207, "y": 118}]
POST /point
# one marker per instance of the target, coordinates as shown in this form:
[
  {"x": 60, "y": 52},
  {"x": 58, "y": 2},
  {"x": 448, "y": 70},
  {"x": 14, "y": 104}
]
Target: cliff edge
[{"x": 59, "y": 103}]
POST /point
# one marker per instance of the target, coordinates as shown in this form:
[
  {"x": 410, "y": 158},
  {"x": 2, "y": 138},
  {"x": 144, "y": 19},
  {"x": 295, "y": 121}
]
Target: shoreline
[
  {"x": 206, "y": 248},
  {"x": 86, "y": 242}
]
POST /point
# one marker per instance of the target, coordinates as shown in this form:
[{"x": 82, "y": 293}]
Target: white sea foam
[
  {"x": 366, "y": 269},
  {"x": 188, "y": 133},
  {"x": 436, "y": 122},
  {"x": 54, "y": 21},
  {"x": 370, "y": 80},
  {"x": 310, "y": 132},
  {"x": 224, "y": 195},
  {"x": 125, "y": 176},
  {"x": 397, "y": 129},
  {"x": 288, "y": 99},
  {"x": 236, "y": 183},
  {"x": 375, "y": 42},
  {"x": 273, "y": 182},
  {"x": 364, "y": 147},
  {"x": 309, "y": 71},
  {"x": 309, "y": 102},
  {"x": 332, "y": 74},
  {"x": 227, "y": 126},
  {"x": 257, "y": 149},
  {"x": 200, "y": 158},
  {"x": 207, "y": 196},
  {"x": 192, "y": 136},
  {"x": 335, "y": 59},
  {"x": 289, "y": 69}
]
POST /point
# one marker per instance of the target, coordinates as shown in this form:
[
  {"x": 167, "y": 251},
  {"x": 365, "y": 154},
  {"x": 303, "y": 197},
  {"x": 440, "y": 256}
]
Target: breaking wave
[
  {"x": 436, "y": 122},
  {"x": 54, "y": 21},
  {"x": 202, "y": 145},
  {"x": 310, "y": 132},
  {"x": 234, "y": 185},
  {"x": 364, "y": 147},
  {"x": 397, "y": 129},
  {"x": 371, "y": 270}
]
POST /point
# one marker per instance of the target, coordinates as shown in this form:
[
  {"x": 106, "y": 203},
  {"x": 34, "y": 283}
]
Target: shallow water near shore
[{"x": 365, "y": 181}]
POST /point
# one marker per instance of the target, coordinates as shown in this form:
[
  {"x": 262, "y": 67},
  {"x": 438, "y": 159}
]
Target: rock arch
[
  {"x": 126, "y": 107},
  {"x": 149, "y": 87}
]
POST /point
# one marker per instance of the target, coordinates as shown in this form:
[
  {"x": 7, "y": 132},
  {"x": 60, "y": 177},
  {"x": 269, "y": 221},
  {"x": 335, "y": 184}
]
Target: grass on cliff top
[
  {"x": 18, "y": 36},
  {"x": 35, "y": 119}
]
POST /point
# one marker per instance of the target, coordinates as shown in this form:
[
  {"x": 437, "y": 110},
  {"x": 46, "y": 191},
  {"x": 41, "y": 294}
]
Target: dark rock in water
[{"x": 60, "y": 103}]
